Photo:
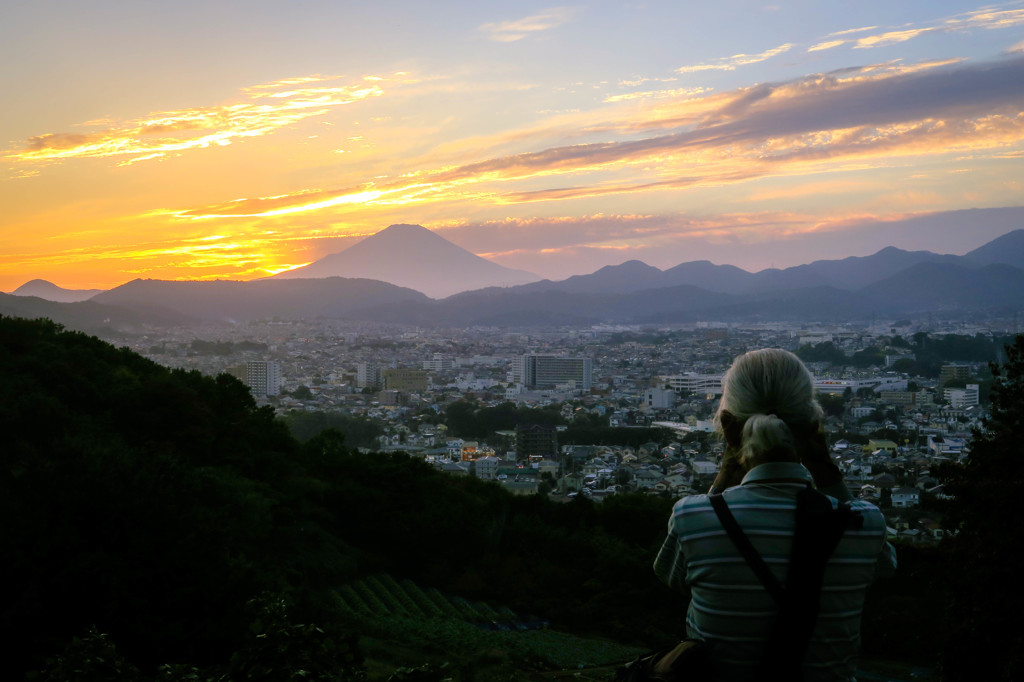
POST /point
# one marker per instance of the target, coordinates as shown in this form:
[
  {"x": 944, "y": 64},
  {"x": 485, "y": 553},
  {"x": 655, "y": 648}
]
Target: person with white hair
[{"x": 775, "y": 448}]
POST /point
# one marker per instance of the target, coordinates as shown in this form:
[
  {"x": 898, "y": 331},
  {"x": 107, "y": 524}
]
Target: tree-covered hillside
[
  {"x": 147, "y": 502},
  {"x": 154, "y": 504}
]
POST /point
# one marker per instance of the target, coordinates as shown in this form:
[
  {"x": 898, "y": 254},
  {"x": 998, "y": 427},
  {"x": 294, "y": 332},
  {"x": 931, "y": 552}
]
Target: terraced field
[{"x": 383, "y": 596}]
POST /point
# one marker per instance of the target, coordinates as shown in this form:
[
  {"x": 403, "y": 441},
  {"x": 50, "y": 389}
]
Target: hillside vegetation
[
  {"x": 156, "y": 504},
  {"x": 157, "y": 524}
]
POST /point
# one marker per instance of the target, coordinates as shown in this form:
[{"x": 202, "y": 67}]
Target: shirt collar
[{"x": 773, "y": 470}]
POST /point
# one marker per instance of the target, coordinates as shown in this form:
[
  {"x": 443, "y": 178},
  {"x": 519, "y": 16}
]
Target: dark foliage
[
  {"x": 154, "y": 504},
  {"x": 822, "y": 352},
  {"x": 150, "y": 503},
  {"x": 869, "y": 357},
  {"x": 613, "y": 435},
  {"x": 833, "y": 405},
  {"x": 931, "y": 353},
  {"x": 359, "y": 431},
  {"x": 278, "y": 650},
  {"x": 985, "y": 639},
  {"x": 466, "y": 420}
]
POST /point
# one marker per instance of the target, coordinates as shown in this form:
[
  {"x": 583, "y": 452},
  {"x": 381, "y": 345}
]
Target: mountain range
[{"x": 891, "y": 282}]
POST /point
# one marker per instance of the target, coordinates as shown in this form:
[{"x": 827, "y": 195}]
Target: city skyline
[{"x": 238, "y": 140}]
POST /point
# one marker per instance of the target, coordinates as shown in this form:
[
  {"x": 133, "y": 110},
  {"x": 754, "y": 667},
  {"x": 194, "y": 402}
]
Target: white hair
[
  {"x": 769, "y": 391},
  {"x": 766, "y": 438}
]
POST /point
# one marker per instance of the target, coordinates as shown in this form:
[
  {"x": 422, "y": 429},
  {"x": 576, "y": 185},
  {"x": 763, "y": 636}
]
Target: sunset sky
[{"x": 235, "y": 140}]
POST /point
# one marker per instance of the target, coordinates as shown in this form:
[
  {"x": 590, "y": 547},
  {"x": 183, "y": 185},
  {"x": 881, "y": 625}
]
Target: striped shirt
[{"x": 729, "y": 607}]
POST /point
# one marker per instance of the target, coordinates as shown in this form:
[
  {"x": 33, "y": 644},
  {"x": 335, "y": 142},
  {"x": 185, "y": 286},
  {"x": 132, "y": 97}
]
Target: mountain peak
[
  {"x": 41, "y": 288},
  {"x": 35, "y": 285},
  {"x": 1008, "y": 249},
  {"x": 404, "y": 228},
  {"x": 632, "y": 266},
  {"x": 413, "y": 256}
]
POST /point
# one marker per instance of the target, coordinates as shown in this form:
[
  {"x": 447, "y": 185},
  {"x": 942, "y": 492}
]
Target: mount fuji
[{"x": 412, "y": 256}]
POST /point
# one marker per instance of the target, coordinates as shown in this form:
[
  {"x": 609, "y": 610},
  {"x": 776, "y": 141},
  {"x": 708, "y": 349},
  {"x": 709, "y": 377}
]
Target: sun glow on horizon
[{"x": 489, "y": 120}]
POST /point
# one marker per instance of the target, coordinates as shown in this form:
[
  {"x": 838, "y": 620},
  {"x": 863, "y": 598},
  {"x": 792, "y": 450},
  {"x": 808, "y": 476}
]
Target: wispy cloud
[
  {"x": 890, "y": 37},
  {"x": 513, "y": 30},
  {"x": 988, "y": 19},
  {"x": 856, "y": 117},
  {"x": 674, "y": 93},
  {"x": 851, "y": 31},
  {"x": 264, "y": 109},
  {"x": 827, "y": 45},
  {"x": 730, "y": 63},
  {"x": 640, "y": 80}
]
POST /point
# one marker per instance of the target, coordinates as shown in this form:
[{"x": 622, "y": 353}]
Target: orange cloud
[
  {"x": 175, "y": 131},
  {"x": 862, "y": 115},
  {"x": 730, "y": 63},
  {"x": 851, "y": 31},
  {"x": 890, "y": 37},
  {"x": 658, "y": 94},
  {"x": 826, "y": 45}
]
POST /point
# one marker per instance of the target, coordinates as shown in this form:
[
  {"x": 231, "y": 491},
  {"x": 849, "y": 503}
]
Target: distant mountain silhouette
[
  {"x": 412, "y": 256},
  {"x": 632, "y": 275},
  {"x": 483, "y": 307},
  {"x": 51, "y": 292},
  {"x": 90, "y": 317},
  {"x": 727, "y": 279},
  {"x": 892, "y": 282},
  {"x": 944, "y": 286},
  {"x": 238, "y": 301},
  {"x": 850, "y": 273},
  {"x": 1008, "y": 249}
]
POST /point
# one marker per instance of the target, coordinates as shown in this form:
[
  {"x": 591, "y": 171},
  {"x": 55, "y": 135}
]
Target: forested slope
[{"x": 153, "y": 504}]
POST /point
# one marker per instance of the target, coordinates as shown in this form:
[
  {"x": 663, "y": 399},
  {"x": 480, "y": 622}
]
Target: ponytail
[{"x": 766, "y": 438}]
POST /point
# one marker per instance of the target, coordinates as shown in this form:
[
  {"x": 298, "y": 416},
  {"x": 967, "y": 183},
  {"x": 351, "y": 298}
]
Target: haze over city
[{"x": 233, "y": 140}]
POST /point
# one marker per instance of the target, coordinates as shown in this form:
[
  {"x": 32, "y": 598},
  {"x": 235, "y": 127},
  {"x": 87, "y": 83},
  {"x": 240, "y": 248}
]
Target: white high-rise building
[
  {"x": 368, "y": 375},
  {"x": 962, "y": 397},
  {"x": 439, "y": 363},
  {"x": 548, "y": 371},
  {"x": 659, "y": 398},
  {"x": 263, "y": 377},
  {"x": 698, "y": 384}
]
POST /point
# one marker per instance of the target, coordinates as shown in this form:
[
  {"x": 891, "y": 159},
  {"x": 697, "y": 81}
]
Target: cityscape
[{"x": 888, "y": 428}]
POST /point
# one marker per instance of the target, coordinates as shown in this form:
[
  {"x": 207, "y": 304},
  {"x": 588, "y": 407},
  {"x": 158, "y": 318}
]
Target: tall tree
[{"x": 986, "y": 639}]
